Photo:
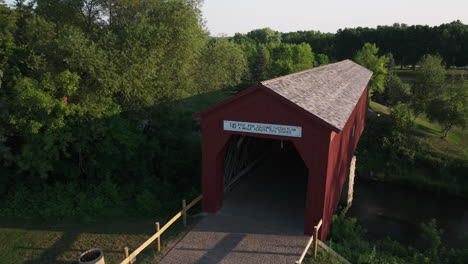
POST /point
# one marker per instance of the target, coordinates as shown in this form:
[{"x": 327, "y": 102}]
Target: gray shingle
[{"x": 329, "y": 92}]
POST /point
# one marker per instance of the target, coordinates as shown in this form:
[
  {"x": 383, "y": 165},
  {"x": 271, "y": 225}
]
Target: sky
[{"x": 227, "y": 17}]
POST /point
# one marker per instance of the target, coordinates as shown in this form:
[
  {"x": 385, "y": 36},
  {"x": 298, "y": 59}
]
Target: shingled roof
[{"x": 329, "y": 92}]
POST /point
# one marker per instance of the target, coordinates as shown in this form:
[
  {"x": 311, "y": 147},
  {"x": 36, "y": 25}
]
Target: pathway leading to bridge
[{"x": 261, "y": 221}]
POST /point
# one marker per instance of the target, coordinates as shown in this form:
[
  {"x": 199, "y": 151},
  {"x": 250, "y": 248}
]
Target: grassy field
[
  {"x": 455, "y": 145},
  {"x": 39, "y": 242}
]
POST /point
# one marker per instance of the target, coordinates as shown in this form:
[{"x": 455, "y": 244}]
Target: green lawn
[
  {"x": 37, "y": 242},
  {"x": 455, "y": 145}
]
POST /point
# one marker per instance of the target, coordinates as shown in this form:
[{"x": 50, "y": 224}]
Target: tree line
[
  {"x": 407, "y": 43},
  {"x": 94, "y": 99},
  {"x": 88, "y": 100}
]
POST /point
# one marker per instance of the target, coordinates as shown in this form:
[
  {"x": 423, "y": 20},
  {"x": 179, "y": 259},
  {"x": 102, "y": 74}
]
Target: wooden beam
[
  {"x": 305, "y": 250},
  {"x": 159, "y": 238},
  {"x": 184, "y": 218}
]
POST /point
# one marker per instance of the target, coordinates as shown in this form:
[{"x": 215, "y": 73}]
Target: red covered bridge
[{"x": 321, "y": 111}]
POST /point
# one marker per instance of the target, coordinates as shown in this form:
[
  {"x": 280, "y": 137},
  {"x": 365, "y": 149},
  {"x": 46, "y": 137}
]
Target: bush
[{"x": 348, "y": 239}]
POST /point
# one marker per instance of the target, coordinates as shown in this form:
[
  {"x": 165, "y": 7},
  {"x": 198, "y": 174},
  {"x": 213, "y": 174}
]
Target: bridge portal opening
[{"x": 265, "y": 180}]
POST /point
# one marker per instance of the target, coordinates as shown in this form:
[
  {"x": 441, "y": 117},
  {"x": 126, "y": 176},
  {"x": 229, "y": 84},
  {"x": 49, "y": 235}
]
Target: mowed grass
[
  {"x": 62, "y": 242},
  {"x": 455, "y": 145}
]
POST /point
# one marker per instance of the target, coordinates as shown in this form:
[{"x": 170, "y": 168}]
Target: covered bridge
[{"x": 322, "y": 111}]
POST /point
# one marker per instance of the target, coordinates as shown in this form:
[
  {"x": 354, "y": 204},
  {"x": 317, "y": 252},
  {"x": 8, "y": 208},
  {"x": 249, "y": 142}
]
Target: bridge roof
[{"x": 329, "y": 92}]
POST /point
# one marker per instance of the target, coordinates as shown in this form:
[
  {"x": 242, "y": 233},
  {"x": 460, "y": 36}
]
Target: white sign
[{"x": 259, "y": 128}]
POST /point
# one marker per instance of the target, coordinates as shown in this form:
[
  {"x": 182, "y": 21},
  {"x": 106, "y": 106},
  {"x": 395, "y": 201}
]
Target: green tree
[
  {"x": 368, "y": 57},
  {"x": 321, "y": 59},
  {"x": 222, "y": 64},
  {"x": 261, "y": 66},
  {"x": 450, "y": 108},
  {"x": 265, "y": 36},
  {"x": 429, "y": 84},
  {"x": 391, "y": 64},
  {"x": 303, "y": 57},
  {"x": 396, "y": 91},
  {"x": 432, "y": 237}
]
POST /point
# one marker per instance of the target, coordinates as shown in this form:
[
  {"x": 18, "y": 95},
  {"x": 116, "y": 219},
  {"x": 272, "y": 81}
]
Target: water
[{"x": 391, "y": 210}]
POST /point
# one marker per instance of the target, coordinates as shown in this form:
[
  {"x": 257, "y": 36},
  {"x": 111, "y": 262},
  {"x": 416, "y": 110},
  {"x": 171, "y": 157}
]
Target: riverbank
[{"x": 387, "y": 209}]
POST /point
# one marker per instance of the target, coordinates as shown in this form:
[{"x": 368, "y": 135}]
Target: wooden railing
[
  {"x": 129, "y": 258},
  {"x": 313, "y": 239}
]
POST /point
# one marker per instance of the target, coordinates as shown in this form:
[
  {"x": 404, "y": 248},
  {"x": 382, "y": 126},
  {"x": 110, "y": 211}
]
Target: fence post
[
  {"x": 126, "y": 252},
  {"x": 159, "y": 238},
  {"x": 184, "y": 205},
  {"x": 316, "y": 228}
]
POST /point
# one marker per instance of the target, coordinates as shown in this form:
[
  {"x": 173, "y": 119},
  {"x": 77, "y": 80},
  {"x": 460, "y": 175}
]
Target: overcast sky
[{"x": 231, "y": 16}]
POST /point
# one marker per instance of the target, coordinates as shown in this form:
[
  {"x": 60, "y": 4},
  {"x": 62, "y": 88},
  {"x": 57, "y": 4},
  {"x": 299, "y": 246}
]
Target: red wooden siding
[{"x": 342, "y": 148}]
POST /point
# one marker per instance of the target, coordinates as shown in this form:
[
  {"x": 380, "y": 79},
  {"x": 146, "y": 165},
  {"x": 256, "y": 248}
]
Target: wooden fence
[
  {"x": 129, "y": 258},
  {"x": 313, "y": 239}
]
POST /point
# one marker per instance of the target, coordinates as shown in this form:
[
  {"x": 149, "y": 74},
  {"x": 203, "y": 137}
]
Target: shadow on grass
[
  {"x": 75, "y": 238},
  {"x": 424, "y": 131}
]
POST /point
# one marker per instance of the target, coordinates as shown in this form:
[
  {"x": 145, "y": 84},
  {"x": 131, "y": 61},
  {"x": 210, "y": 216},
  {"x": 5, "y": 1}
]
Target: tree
[
  {"x": 396, "y": 91},
  {"x": 451, "y": 108},
  {"x": 261, "y": 66},
  {"x": 222, "y": 64},
  {"x": 391, "y": 65},
  {"x": 303, "y": 57},
  {"x": 265, "y": 36},
  {"x": 429, "y": 84},
  {"x": 368, "y": 58},
  {"x": 321, "y": 59}
]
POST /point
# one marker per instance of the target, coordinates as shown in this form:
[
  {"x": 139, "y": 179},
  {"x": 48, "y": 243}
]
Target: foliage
[
  {"x": 92, "y": 96},
  {"x": 269, "y": 58},
  {"x": 368, "y": 58},
  {"x": 391, "y": 64},
  {"x": 401, "y": 117},
  {"x": 347, "y": 237},
  {"x": 429, "y": 84},
  {"x": 394, "y": 148},
  {"x": 321, "y": 59},
  {"x": 261, "y": 66},
  {"x": 407, "y": 43},
  {"x": 450, "y": 108},
  {"x": 265, "y": 36},
  {"x": 222, "y": 65},
  {"x": 395, "y": 91}
]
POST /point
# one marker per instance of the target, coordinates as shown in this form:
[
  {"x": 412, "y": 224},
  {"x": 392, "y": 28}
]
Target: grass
[
  {"x": 28, "y": 242},
  {"x": 323, "y": 257},
  {"x": 455, "y": 145}
]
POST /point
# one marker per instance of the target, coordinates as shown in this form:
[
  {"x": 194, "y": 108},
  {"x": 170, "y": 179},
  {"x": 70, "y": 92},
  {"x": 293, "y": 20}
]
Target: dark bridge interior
[{"x": 274, "y": 191}]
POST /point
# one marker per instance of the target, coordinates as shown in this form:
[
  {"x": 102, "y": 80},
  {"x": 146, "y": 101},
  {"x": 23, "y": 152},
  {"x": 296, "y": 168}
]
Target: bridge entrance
[{"x": 266, "y": 181}]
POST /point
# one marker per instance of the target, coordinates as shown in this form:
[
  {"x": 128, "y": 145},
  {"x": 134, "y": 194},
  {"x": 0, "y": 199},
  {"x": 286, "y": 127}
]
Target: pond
[{"x": 386, "y": 209}]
